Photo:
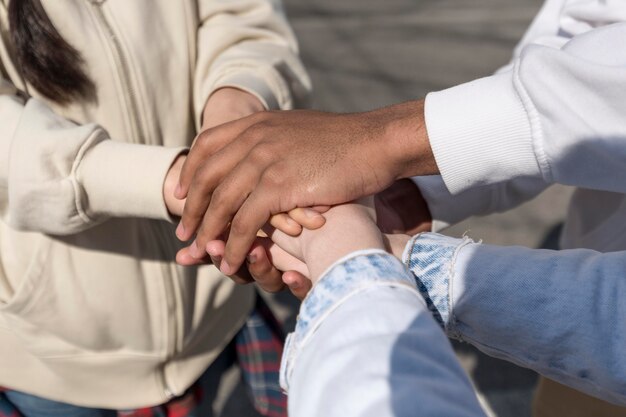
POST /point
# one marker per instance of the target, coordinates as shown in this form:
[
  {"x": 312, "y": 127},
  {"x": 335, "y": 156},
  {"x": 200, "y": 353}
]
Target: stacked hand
[
  {"x": 240, "y": 174},
  {"x": 270, "y": 166},
  {"x": 226, "y": 105}
]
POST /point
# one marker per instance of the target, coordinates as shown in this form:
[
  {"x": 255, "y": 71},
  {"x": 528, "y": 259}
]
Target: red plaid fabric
[
  {"x": 259, "y": 350},
  {"x": 178, "y": 407}
]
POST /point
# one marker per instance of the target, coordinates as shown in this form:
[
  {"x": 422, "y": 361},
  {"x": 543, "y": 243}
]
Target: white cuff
[{"x": 480, "y": 133}]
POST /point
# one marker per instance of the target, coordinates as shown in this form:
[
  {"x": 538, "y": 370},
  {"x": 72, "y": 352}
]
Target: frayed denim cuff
[
  {"x": 351, "y": 275},
  {"x": 431, "y": 257}
]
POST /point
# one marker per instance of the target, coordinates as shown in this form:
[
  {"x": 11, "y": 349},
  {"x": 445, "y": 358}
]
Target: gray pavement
[{"x": 364, "y": 54}]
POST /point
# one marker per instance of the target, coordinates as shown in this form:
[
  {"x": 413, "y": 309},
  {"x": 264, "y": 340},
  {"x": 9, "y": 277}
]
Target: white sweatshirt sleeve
[
  {"x": 248, "y": 44},
  {"x": 555, "y": 115}
]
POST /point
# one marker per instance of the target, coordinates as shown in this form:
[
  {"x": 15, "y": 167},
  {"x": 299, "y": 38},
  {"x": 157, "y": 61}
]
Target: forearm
[
  {"x": 62, "y": 178},
  {"x": 519, "y": 304},
  {"x": 365, "y": 345}
]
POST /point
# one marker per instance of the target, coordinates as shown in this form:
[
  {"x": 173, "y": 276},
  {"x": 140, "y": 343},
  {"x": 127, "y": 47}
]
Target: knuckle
[
  {"x": 203, "y": 140},
  {"x": 219, "y": 196},
  {"x": 240, "y": 227},
  {"x": 275, "y": 176},
  {"x": 256, "y": 133},
  {"x": 262, "y": 154},
  {"x": 202, "y": 180}
]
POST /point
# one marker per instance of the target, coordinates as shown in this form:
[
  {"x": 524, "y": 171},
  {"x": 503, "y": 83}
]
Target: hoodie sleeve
[
  {"x": 59, "y": 178},
  {"x": 248, "y": 44}
]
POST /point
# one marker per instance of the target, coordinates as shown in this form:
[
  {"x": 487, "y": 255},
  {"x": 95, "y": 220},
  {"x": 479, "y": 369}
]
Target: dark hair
[{"x": 44, "y": 58}]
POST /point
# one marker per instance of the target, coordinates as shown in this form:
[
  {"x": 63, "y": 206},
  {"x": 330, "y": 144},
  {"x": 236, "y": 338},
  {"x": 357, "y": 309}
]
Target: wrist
[
  {"x": 348, "y": 228},
  {"x": 406, "y": 141},
  {"x": 174, "y": 205},
  {"x": 395, "y": 244},
  {"x": 229, "y": 101}
]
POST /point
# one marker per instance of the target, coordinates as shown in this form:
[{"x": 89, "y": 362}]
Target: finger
[
  {"x": 205, "y": 180},
  {"x": 286, "y": 223},
  {"x": 226, "y": 171},
  {"x": 227, "y": 200},
  {"x": 321, "y": 209},
  {"x": 261, "y": 269},
  {"x": 283, "y": 241},
  {"x": 298, "y": 284},
  {"x": 251, "y": 216},
  {"x": 282, "y": 259},
  {"x": 197, "y": 249},
  {"x": 207, "y": 144},
  {"x": 215, "y": 249},
  {"x": 184, "y": 258},
  {"x": 307, "y": 217}
]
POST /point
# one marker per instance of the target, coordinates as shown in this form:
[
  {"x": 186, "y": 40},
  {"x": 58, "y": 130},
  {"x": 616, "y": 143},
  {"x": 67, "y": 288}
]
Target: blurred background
[{"x": 365, "y": 54}]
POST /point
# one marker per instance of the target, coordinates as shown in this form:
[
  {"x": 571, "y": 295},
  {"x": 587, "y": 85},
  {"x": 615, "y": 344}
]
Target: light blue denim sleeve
[
  {"x": 561, "y": 313},
  {"x": 365, "y": 345}
]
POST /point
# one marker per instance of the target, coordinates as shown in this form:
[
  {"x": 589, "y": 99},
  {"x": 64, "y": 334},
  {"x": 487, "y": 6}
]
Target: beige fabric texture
[{"x": 93, "y": 309}]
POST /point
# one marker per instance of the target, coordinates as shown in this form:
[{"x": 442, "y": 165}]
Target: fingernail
[
  {"x": 251, "y": 258},
  {"x": 310, "y": 213},
  {"x": 225, "y": 268},
  {"x": 178, "y": 191},
  {"x": 294, "y": 285},
  {"x": 180, "y": 231}
]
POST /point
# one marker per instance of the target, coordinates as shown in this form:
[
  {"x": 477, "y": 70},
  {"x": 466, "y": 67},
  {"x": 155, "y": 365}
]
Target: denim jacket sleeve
[
  {"x": 560, "y": 313},
  {"x": 365, "y": 345}
]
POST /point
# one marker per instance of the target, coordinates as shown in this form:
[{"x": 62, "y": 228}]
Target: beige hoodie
[{"x": 93, "y": 309}]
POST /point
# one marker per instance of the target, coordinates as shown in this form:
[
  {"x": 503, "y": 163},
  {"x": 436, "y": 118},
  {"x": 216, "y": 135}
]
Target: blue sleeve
[
  {"x": 366, "y": 345},
  {"x": 560, "y": 313}
]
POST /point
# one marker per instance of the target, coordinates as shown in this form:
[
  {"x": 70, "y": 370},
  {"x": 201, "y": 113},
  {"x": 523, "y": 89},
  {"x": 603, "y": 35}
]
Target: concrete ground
[{"x": 364, "y": 54}]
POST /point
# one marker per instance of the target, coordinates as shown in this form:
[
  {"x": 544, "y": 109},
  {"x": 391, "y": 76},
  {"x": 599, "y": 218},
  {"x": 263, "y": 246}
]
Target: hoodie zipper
[
  {"x": 123, "y": 67},
  {"x": 132, "y": 104}
]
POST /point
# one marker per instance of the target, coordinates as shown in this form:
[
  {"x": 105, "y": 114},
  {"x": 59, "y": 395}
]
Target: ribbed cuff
[
  {"x": 264, "y": 83},
  {"x": 480, "y": 133},
  {"x": 126, "y": 180}
]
